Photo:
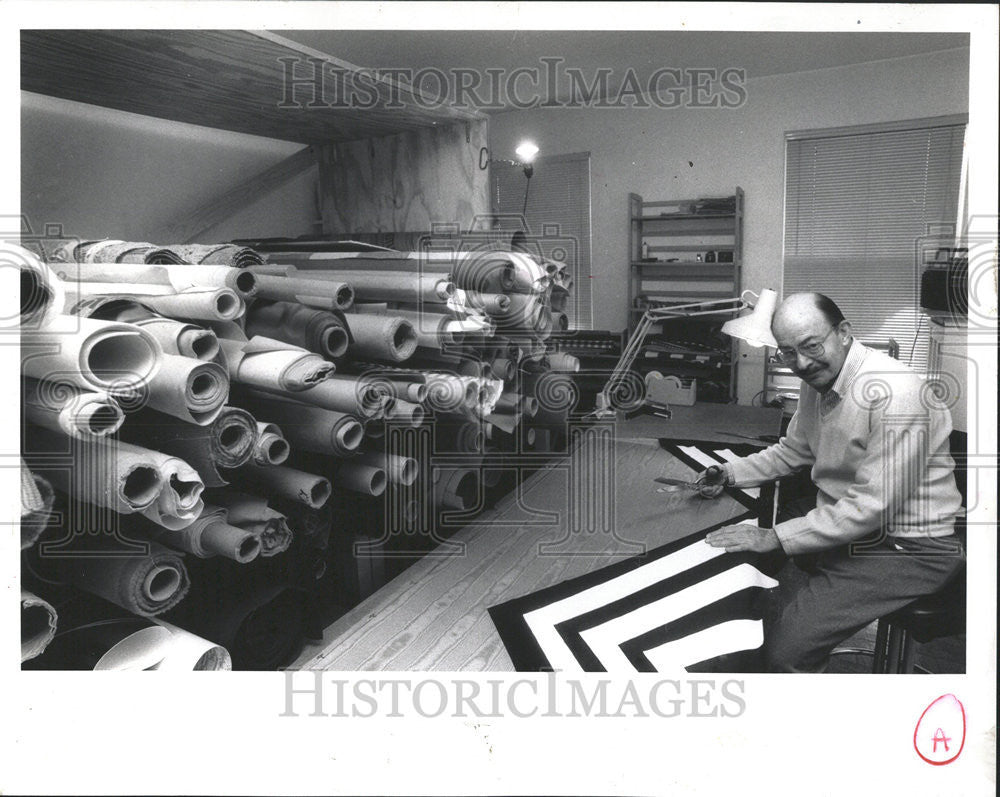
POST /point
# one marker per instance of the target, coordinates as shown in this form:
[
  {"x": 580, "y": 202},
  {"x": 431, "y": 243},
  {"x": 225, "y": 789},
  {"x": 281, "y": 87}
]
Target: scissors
[{"x": 676, "y": 485}]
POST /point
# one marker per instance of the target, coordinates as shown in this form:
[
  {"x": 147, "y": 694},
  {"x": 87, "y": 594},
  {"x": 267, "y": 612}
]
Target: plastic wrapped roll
[
  {"x": 96, "y": 355},
  {"x": 179, "y": 277},
  {"x": 42, "y": 292},
  {"x": 38, "y": 625},
  {"x": 390, "y": 338},
  {"x": 272, "y": 448},
  {"x": 284, "y": 482},
  {"x": 310, "y": 428},
  {"x": 189, "y": 389},
  {"x": 319, "y": 331},
  {"x": 144, "y": 585},
  {"x": 398, "y": 470},
  {"x": 272, "y": 365},
  {"x": 174, "y": 337},
  {"x": 359, "y": 478},
  {"x": 83, "y": 414}
]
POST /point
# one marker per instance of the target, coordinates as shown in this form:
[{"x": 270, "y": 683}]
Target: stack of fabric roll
[{"x": 211, "y": 403}]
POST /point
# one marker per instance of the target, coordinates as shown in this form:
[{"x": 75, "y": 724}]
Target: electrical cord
[{"x": 916, "y": 335}]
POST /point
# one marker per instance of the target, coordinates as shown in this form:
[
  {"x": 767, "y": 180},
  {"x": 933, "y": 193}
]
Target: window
[
  {"x": 557, "y": 215},
  {"x": 860, "y": 206}
]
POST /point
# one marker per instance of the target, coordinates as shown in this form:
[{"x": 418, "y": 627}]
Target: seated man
[{"x": 876, "y": 438}]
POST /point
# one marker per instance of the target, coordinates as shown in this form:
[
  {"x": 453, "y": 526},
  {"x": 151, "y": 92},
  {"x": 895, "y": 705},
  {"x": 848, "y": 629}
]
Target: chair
[{"x": 939, "y": 615}]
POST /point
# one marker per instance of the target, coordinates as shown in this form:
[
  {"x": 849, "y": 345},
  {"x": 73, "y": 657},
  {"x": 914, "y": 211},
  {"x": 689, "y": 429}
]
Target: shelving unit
[{"x": 675, "y": 249}]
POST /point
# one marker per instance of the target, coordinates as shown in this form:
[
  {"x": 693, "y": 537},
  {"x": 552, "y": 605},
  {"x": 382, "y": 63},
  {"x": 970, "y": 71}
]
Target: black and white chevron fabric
[{"x": 683, "y": 607}]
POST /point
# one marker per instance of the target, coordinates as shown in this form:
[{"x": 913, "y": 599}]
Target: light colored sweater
[{"x": 877, "y": 443}]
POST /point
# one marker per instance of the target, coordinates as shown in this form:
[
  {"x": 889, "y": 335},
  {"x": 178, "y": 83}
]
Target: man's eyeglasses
[{"x": 789, "y": 354}]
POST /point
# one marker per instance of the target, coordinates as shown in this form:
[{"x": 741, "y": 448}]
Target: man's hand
[
  {"x": 744, "y": 537},
  {"x": 712, "y": 481}
]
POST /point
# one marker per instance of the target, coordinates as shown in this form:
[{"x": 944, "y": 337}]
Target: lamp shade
[{"x": 755, "y": 328}]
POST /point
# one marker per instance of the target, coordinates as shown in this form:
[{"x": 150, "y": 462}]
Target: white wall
[
  {"x": 647, "y": 151},
  {"x": 102, "y": 173}
]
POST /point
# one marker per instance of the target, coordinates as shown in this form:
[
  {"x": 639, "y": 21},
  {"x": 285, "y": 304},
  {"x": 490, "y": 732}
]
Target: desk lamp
[{"x": 754, "y": 328}]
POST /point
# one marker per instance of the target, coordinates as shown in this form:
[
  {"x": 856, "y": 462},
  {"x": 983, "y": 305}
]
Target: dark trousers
[{"x": 826, "y": 597}]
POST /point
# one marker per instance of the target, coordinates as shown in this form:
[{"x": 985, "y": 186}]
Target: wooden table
[{"x": 592, "y": 509}]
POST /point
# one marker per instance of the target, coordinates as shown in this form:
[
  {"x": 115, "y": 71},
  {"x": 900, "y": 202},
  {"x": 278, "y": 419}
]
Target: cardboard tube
[
  {"x": 504, "y": 369},
  {"x": 339, "y": 295},
  {"x": 272, "y": 448},
  {"x": 60, "y": 407},
  {"x": 284, "y": 482},
  {"x": 318, "y": 331},
  {"x": 38, "y": 625},
  {"x": 144, "y": 585},
  {"x": 359, "y": 478},
  {"x": 272, "y": 365},
  {"x": 189, "y": 389},
  {"x": 391, "y": 338},
  {"x": 96, "y": 355},
  {"x": 399, "y": 470},
  {"x": 409, "y": 391},
  {"x": 178, "y": 277},
  {"x": 42, "y": 292}
]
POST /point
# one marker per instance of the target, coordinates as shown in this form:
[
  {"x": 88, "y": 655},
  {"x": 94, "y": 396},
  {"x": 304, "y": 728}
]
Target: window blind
[
  {"x": 557, "y": 216},
  {"x": 860, "y": 205}
]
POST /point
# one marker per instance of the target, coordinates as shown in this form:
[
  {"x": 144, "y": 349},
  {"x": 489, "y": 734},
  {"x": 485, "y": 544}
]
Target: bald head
[
  {"x": 812, "y": 322},
  {"x": 798, "y": 303}
]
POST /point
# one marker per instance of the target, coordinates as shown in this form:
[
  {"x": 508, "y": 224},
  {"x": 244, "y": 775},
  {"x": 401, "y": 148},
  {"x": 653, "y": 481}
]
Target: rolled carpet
[
  {"x": 205, "y": 254},
  {"x": 42, "y": 292}
]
